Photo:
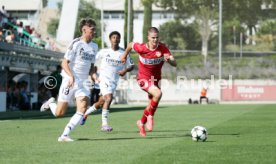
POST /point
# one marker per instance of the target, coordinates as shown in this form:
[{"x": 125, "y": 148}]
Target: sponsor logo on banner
[{"x": 250, "y": 93}]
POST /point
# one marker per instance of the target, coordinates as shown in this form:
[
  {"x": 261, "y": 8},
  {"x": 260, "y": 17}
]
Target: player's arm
[
  {"x": 170, "y": 59},
  {"x": 127, "y": 51},
  {"x": 66, "y": 68},
  {"x": 124, "y": 71},
  {"x": 93, "y": 74},
  {"x": 91, "y": 71}
]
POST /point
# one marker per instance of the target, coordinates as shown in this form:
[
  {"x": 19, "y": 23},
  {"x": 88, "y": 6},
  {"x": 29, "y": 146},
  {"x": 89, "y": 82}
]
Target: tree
[
  {"x": 126, "y": 22},
  {"x": 147, "y": 17},
  {"x": 205, "y": 20},
  {"x": 53, "y": 23},
  {"x": 44, "y": 3},
  {"x": 87, "y": 9},
  {"x": 268, "y": 29},
  {"x": 53, "y": 26},
  {"x": 203, "y": 11},
  {"x": 248, "y": 12},
  {"x": 231, "y": 32},
  {"x": 178, "y": 36}
]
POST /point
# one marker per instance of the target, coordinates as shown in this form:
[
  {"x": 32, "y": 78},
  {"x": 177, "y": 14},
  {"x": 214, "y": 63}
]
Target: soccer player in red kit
[{"x": 152, "y": 56}]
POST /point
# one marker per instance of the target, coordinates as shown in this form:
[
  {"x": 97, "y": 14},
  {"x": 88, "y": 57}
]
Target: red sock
[
  {"x": 144, "y": 117},
  {"x": 153, "y": 106}
]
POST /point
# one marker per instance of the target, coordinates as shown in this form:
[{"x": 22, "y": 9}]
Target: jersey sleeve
[
  {"x": 71, "y": 51},
  {"x": 137, "y": 47},
  {"x": 166, "y": 51}
]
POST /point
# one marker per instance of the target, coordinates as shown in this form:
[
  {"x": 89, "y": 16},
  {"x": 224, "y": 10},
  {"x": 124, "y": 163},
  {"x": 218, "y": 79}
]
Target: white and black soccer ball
[{"x": 199, "y": 133}]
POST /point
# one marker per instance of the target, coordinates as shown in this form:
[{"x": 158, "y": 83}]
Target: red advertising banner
[{"x": 249, "y": 93}]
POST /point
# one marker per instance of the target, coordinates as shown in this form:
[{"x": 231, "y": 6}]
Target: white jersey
[
  {"x": 111, "y": 64},
  {"x": 81, "y": 55}
]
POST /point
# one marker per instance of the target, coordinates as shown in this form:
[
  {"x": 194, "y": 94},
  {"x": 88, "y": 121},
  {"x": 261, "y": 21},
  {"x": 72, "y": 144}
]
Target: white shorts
[
  {"x": 107, "y": 87},
  {"x": 67, "y": 94}
]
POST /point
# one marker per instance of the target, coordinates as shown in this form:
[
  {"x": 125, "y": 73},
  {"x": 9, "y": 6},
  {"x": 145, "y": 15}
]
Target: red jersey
[{"x": 150, "y": 61}]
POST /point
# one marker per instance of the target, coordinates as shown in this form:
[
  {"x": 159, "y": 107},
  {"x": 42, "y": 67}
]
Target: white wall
[{"x": 172, "y": 93}]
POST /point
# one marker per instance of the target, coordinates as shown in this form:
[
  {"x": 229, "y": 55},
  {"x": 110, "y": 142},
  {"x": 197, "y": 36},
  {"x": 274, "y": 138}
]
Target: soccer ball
[{"x": 199, "y": 133}]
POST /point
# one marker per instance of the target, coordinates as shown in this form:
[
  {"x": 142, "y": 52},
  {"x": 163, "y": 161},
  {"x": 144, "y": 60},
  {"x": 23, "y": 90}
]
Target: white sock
[
  {"x": 72, "y": 123},
  {"x": 90, "y": 110},
  {"x": 53, "y": 107},
  {"x": 105, "y": 116}
]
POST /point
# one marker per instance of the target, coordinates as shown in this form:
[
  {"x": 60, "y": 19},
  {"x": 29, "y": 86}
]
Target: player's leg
[
  {"x": 141, "y": 123},
  {"x": 146, "y": 111},
  {"x": 57, "y": 109},
  {"x": 92, "y": 109},
  {"x": 97, "y": 105},
  {"x": 156, "y": 94},
  {"x": 82, "y": 103},
  {"x": 61, "y": 108},
  {"x": 65, "y": 94},
  {"x": 45, "y": 106},
  {"x": 105, "y": 112}
]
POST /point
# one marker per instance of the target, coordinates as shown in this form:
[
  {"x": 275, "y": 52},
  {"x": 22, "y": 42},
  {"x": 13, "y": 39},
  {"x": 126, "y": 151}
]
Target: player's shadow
[
  {"x": 115, "y": 109},
  {"x": 128, "y": 138},
  {"x": 35, "y": 114},
  {"x": 165, "y": 134},
  {"x": 223, "y": 134}
]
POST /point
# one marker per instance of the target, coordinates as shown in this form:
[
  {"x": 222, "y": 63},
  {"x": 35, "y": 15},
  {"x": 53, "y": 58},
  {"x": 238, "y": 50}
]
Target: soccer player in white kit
[
  {"x": 111, "y": 69},
  {"x": 76, "y": 66}
]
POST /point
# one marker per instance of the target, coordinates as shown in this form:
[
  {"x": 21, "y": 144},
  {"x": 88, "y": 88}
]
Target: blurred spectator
[
  {"x": 2, "y": 37},
  {"x": 28, "y": 29},
  {"x": 10, "y": 38},
  {"x": 20, "y": 29},
  {"x": 14, "y": 93},
  {"x": 10, "y": 89},
  {"x": 13, "y": 31},
  {"x": 53, "y": 46},
  {"x": 4, "y": 12},
  {"x": 48, "y": 45},
  {"x": 24, "y": 102},
  {"x": 56, "y": 74},
  {"x": 43, "y": 94},
  {"x": 35, "y": 38},
  {"x": 203, "y": 95},
  {"x": 4, "y": 21}
]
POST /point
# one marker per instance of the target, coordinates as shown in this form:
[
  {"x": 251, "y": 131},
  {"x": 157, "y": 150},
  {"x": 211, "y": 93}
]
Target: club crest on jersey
[{"x": 158, "y": 54}]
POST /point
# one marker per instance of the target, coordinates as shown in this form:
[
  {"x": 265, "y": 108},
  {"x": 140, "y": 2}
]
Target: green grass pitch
[{"x": 237, "y": 134}]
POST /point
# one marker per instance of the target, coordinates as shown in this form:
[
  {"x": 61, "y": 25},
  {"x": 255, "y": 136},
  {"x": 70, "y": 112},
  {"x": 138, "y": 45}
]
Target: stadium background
[{"x": 248, "y": 56}]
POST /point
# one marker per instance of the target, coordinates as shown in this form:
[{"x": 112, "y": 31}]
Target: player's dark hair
[
  {"x": 114, "y": 33},
  {"x": 86, "y": 21},
  {"x": 153, "y": 29}
]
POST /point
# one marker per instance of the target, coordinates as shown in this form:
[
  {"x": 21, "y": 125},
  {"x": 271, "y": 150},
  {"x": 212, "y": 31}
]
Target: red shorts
[{"x": 145, "y": 84}]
